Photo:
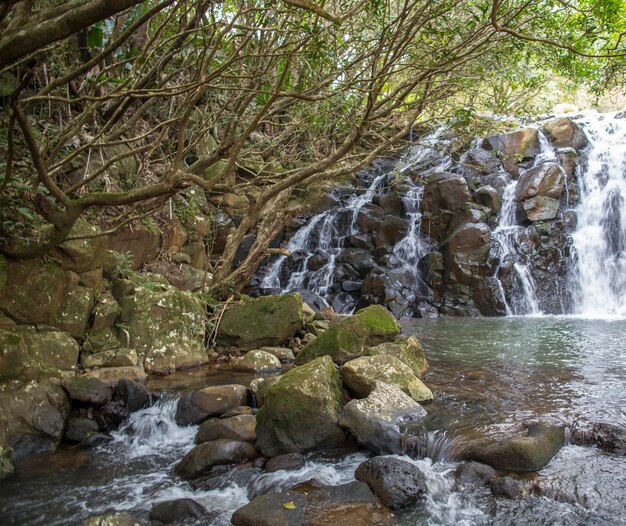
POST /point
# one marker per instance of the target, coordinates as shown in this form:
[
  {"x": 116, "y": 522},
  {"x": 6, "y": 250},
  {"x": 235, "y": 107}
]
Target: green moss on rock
[
  {"x": 349, "y": 338},
  {"x": 408, "y": 350}
]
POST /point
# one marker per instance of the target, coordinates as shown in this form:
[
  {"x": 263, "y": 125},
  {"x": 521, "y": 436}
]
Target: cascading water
[{"x": 600, "y": 236}]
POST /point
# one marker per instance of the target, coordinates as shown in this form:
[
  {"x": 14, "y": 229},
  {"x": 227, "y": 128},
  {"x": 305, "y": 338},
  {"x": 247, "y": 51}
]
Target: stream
[{"x": 487, "y": 374}]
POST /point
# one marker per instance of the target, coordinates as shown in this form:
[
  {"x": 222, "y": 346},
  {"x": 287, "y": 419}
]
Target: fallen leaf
[{"x": 289, "y": 505}]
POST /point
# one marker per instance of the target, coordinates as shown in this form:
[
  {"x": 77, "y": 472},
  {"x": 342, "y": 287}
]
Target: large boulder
[
  {"x": 199, "y": 405},
  {"x": 105, "y": 312},
  {"x": 467, "y": 252},
  {"x": 488, "y": 196},
  {"x": 29, "y": 354},
  {"x": 163, "y": 324},
  {"x": 408, "y": 350},
  {"x": 87, "y": 389},
  {"x": 375, "y": 421},
  {"x": 257, "y": 361},
  {"x": 82, "y": 255},
  {"x": 515, "y": 148},
  {"x": 314, "y": 504},
  {"x": 565, "y": 133},
  {"x": 33, "y": 290},
  {"x": 350, "y": 337},
  {"x": 301, "y": 411},
  {"x": 396, "y": 482},
  {"x": 75, "y": 311},
  {"x": 445, "y": 194},
  {"x": 33, "y": 416},
  {"x": 268, "y": 320},
  {"x": 540, "y": 208},
  {"x": 241, "y": 427},
  {"x": 215, "y": 453},
  {"x": 531, "y": 452},
  {"x": 547, "y": 180},
  {"x": 361, "y": 374}
]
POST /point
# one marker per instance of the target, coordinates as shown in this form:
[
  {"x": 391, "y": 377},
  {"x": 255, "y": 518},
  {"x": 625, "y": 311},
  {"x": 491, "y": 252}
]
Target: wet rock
[
  {"x": 547, "y": 180},
  {"x": 78, "y": 429},
  {"x": 506, "y": 487},
  {"x": 225, "y": 476},
  {"x": 268, "y": 320},
  {"x": 286, "y": 462},
  {"x": 481, "y": 161},
  {"x": 375, "y": 421},
  {"x": 257, "y": 361},
  {"x": 87, "y": 389},
  {"x": 605, "y": 435},
  {"x": 445, "y": 191},
  {"x": 196, "y": 407},
  {"x": 164, "y": 325},
  {"x": 301, "y": 411},
  {"x": 390, "y": 231},
  {"x": 519, "y": 453},
  {"x": 313, "y": 504},
  {"x": 359, "y": 259},
  {"x": 260, "y": 386},
  {"x": 364, "y": 241},
  {"x": 241, "y": 428},
  {"x": 177, "y": 510},
  {"x": 488, "y": 196},
  {"x": 541, "y": 208},
  {"x": 28, "y": 354},
  {"x": 515, "y": 149},
  {"x": 113, "y": 519},
  {"x": 565, "y": 133},
  {"x": 6, "y": 464},
  {"x": 283, "y": 354},
  {"x": 473, "y": 474},
  {"x": 131, "y": 394},
  {"x": 397, "y": 483},
  {"x": 215, "y": 453},
  {"x": 348, "y": 338},
  {"x": 467, "y": 252},
  {"x": 408, "y": 350},
  {"x": 390, "y": 202},
  {"x": 361, "y": 374}
]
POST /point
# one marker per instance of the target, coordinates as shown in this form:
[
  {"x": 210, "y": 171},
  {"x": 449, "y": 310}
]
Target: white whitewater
[{"x": 600, "y": 236}]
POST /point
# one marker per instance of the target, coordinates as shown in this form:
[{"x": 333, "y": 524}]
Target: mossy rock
[
  {"x": 82, "y": 255},
  {"x": 268, "y": 320},
  {"x": 408, "y": 350},
  {"x": 349, "y": 338},
  {"x": 29, "y": 354},
  {"x": 6, "y": 464},
  {"x": 104, "y": 340},
  {"x": 301, "y": 411},
  {"x": 105, "y": 313},
  {"x": 34, "y": 290},
  {"x": 258, "y": 361},
  {"x": 75, "y": 311},
  {"x": 361, "y": 374}
]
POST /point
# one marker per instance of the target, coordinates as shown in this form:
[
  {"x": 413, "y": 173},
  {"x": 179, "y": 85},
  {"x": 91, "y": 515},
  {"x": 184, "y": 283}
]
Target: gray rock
[
  {"x": 242, "y": 428},
  {"x": 215, "y": 453},
  {"x": 287, "y": 462},
  {"x": 195, "y": 407},
  {"x": 177, "y": 510},
  {"x": 78, "y": 429},
  {"x": 506, "y": 487},
  {"x": 87, "y": 389}
]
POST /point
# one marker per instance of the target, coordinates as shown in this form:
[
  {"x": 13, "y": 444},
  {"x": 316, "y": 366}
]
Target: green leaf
[{"x": 289, "y": 505}]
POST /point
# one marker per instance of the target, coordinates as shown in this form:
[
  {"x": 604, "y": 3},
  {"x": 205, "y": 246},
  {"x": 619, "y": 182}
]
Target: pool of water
[{"x": 487, "y": 375}]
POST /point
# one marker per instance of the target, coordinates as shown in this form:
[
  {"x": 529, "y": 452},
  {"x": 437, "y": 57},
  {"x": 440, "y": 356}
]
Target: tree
[{"x": 193, "y": 92}]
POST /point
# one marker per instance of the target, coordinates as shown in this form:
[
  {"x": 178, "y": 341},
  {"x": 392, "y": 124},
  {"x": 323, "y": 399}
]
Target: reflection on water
[{"x": 487, "y": 374}]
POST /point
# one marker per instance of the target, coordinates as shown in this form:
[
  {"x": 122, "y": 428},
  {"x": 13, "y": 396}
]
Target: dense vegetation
[{"x": 111, "y": 108}]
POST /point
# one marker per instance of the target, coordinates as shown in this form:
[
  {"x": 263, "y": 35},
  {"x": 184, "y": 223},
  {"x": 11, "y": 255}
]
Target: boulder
[
  {"x": 238, "y": 411},
  {"x": 139, "y": 240},
  {"x": 506, "y": 487},
  {"x": 87, "y": 389},
  {"x": 314, "y": 504},
  {"x": 113, "y": 519},
  {"x": 519, "y": 453},
  {"x": 608, "y": 436},
  {"x": 268, "y": 320},
  {"x": 82, "y": 255},
  {"x": 75, "y": 310},
  {"x": 547, "y": 180},
  {"x": 515, "y": 148},
  {"x": 257, "y": 361},
  {"x": 473, "y": 474},
  {"x": 177, "y": 510},
  {"x": 301, "y": 411},
  {"x": 408, "y": 350},
  {"x": 467, "y": 252},
  {"x": 350, "y": 337},
  {"x": 242, "y": 428},
  {"x": 375, "y": 421},
  {"x": 163, "y": 324},
  {"x": 283, "y": 354},
  {"x": 396, "y": 482},
  {"x": 79, "y": 429},
  {"x": 105, "y": 312},
  {"x": 34, "y": 290},
  {"x": 112, "y": 375},
  {"x": 112, "y": 358},
  {"x": 488, "y": 196},
  {"x": 541, "y": 208},
  {"x": 104, "y": 340},
  {"x": 33, "y": 416},
  {"x": 131, "y": 395},
  {"x": 286, "y": 462},
  {"x": 361, "y": 374},
  {"x": 215, "y": 453},
  {"x": 29, "y": 354},
  {"x": 182, "y": 276},
  {"x": 196, "y": 407},
  {"x": 565, "y": 133},
  {"x": 445, "y": 191},
  {"x": 260, "y": 386}
]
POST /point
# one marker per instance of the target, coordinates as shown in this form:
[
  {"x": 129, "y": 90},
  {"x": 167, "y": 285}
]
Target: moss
[
  {"x": 409, "y": 351},
  {"x": 6, "y": 464}
]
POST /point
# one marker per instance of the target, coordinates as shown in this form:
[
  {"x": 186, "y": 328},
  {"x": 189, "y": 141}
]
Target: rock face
[
  {"x": 397, "y": 483},
  {"x": 313, "y": 504},
  {"x": 269, "y": 320},
  {"x": 164, "y": 325},
  {"x": 242, "y": 428},
  {"x": 360, "y": 376},
  {"x": 301, "y": 411},
  {"x": 29, "y": 354},
  {"x": 515, "y": 149},
  {"x": 258, "y": 361},
  {"x": 349, "y": 338},
  {"x": 197, "y": 406},
  {"x": 375, "y": 421},
  {"x": 565, "y": 133},
  {"x": 520, "y": 453},
  {"x": 215, "y": 453}
]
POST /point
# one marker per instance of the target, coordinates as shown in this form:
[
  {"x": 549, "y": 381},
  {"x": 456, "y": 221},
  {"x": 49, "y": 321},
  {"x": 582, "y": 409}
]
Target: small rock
[
  {"x": 506, "y": 487},
  {"x": 87, "y": 389},
  {"x": 473, "y": 474},
  {"x": 177, "y": 510},
  {"x": 217, "y": 452},
  {"x": 240, "y": 428},
  {"x": 286, "y": 462},
  {"x": 78, "y": 429}
]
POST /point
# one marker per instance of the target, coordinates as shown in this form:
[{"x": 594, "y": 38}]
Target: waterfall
[{"x": 600, "y": 236}]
